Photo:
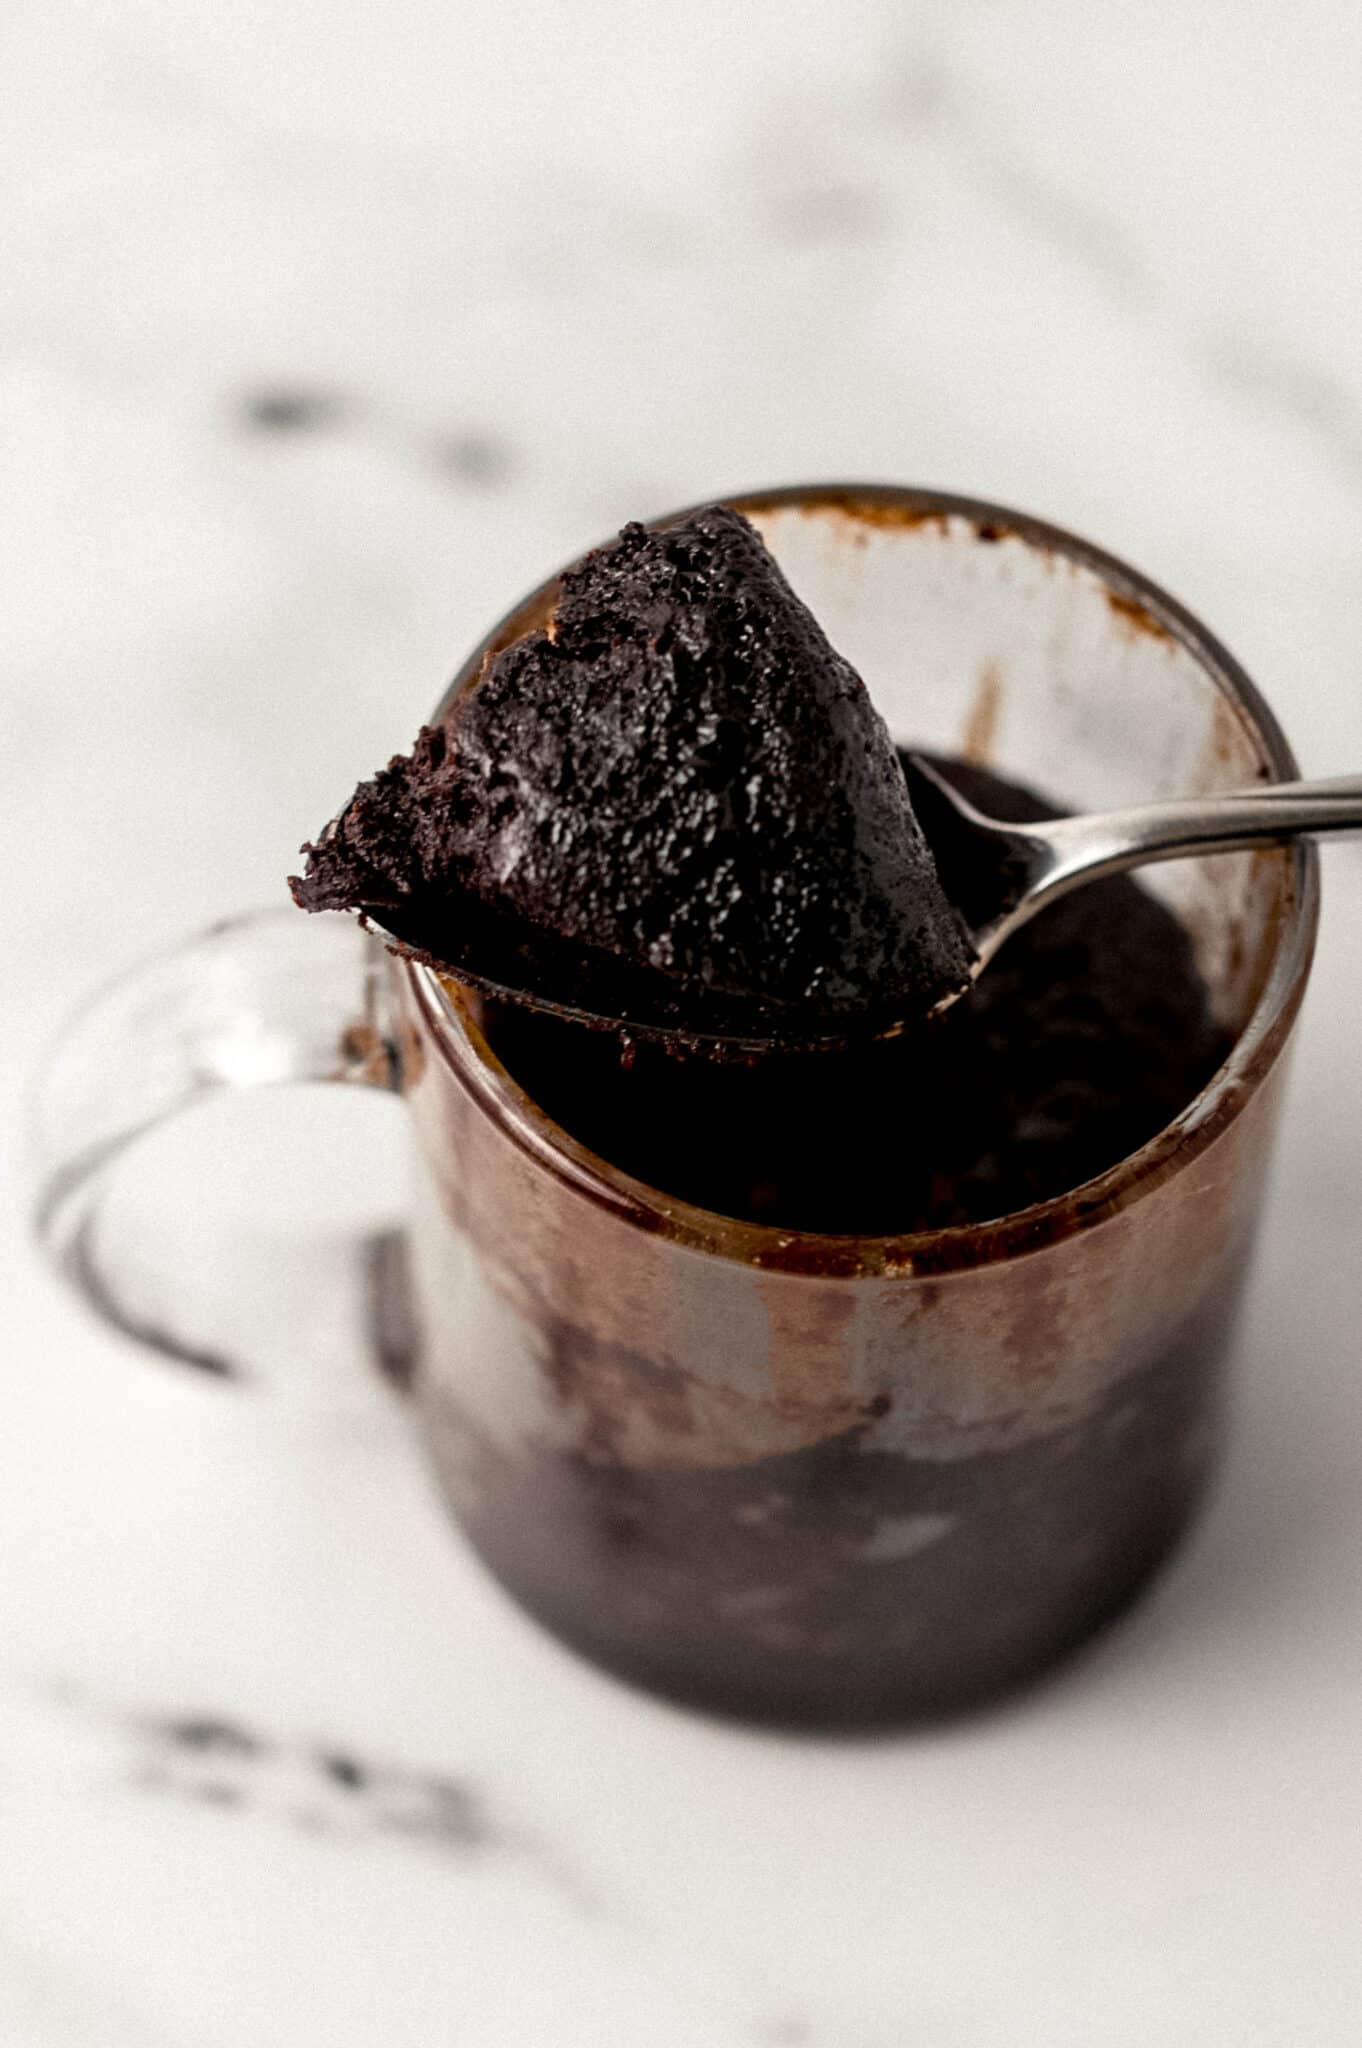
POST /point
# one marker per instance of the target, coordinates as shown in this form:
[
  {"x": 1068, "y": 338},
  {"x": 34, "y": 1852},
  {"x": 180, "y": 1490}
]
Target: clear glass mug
[{"x": 815, "y": 1479}]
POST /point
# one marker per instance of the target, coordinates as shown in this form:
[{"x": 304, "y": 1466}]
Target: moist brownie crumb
[
  {"x": 1087, "y": 1035},
  {"x": 679, "y": 784}
]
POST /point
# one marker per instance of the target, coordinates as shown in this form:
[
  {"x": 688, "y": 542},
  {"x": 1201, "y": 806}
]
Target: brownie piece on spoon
[{"x": 674, "y": 805}]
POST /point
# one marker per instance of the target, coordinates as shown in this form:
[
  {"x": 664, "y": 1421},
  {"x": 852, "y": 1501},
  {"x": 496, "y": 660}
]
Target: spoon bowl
[{"x": 1013, "y": 871}]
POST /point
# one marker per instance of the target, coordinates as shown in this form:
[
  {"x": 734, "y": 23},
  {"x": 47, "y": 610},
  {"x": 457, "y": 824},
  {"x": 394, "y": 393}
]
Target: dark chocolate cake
[{"x": 678, "y": 796}]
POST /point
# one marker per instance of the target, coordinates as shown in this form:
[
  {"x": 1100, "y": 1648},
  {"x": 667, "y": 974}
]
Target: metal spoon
[
  {"x": 1014, "y": 871},
  {"x": 1028, "y": 866}
]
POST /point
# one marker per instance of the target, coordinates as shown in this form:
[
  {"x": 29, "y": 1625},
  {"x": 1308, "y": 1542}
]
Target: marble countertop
[{"x": 324, "y": 333}]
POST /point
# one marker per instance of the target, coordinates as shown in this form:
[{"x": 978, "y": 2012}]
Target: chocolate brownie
[
  {"x": 675, "y": 803},
  {"x": 1088, "y": 1034}
]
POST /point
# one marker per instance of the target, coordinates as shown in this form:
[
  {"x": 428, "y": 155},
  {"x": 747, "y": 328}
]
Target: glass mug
[{"x": 806, "y": 1478}]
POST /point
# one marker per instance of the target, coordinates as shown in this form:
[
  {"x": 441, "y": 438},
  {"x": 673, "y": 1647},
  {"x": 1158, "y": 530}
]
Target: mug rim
[{"x": 1254, "y": 1051}]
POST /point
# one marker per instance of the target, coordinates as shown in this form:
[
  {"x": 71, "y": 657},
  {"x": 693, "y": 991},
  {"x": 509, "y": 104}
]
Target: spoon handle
[{"x": 1081, "y": 848}]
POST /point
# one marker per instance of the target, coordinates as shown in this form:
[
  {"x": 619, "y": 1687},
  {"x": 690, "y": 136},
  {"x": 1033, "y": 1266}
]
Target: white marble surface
[{"x": 277, "y": 1765}]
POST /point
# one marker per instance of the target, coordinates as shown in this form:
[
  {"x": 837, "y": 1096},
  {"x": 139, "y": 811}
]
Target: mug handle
[{"x": 253, "y": 1001}]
